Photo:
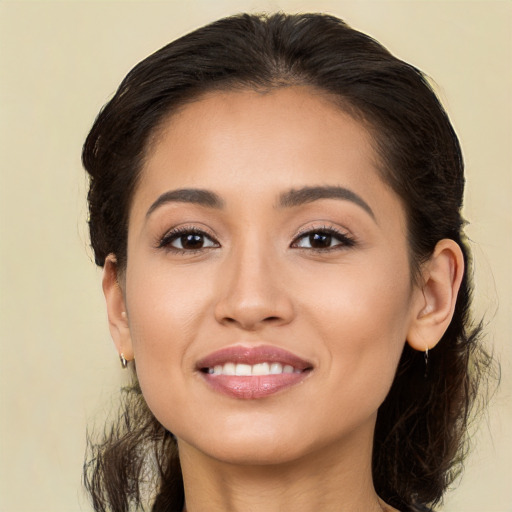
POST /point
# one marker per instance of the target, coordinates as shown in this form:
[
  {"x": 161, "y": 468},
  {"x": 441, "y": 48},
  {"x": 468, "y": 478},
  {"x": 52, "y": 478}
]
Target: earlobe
[
  {"x": 116, "y": 308},
  {"x": 442, "y": 276}
]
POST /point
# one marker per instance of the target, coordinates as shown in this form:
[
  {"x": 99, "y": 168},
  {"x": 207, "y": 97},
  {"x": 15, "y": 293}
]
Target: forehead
[
  {"x": 288, "y": 113},
  {"x": 261, "y": 143}
]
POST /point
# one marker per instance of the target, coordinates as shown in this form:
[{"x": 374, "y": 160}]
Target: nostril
[
  {"x": 250, "y": 323},
  {"x": 253, "y": 311}
]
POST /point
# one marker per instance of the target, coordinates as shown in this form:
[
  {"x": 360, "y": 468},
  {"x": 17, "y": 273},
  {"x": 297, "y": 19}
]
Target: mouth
[{"x": 252, "y": 372}]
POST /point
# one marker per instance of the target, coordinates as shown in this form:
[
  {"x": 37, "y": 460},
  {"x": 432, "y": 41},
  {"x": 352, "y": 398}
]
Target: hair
[{"x": 421, "y": 431}]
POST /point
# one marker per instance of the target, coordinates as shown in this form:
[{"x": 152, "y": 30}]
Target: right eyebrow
[
  {"x": 188, "y": 195},
  {"x": 298, "y": 197}
]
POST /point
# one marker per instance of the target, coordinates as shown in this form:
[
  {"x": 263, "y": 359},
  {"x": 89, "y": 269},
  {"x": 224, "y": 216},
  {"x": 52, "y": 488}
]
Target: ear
[
  {"x": 116, "y": 308},
  {"x": 441, "y": 278}
]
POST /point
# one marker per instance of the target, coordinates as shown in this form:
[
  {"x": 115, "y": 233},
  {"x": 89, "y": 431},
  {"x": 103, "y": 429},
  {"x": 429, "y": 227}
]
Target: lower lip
[{"x": 253, "y": 387}]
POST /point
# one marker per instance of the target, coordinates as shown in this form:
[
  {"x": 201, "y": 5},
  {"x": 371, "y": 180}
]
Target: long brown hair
[{"x": 420, "y": 436}]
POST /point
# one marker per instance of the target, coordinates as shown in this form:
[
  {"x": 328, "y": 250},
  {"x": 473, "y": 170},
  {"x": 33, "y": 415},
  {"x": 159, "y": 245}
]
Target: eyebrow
[
  {"x": 289, "y": 199},
  {"x": 297, "y": 197},
  {"x": 188, "y": 195}
]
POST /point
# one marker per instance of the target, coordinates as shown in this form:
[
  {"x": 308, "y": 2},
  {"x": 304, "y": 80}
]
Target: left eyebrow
[
  {"x": 187, "y": 195},
  {"x": 297, "y": 197}
]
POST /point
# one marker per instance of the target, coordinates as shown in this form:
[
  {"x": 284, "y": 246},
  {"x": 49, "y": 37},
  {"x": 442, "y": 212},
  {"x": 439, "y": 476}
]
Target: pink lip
[
  {"x": 253, "y": 355},
  {"x": 257, "y": 386}
]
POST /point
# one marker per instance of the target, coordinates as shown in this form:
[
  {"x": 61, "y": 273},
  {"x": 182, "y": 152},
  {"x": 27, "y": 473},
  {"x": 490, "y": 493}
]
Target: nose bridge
[{"x": 252, "y": 292}]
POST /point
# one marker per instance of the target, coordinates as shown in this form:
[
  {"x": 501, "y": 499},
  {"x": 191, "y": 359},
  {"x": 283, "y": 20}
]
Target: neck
[{"x": 332, "y": 479}]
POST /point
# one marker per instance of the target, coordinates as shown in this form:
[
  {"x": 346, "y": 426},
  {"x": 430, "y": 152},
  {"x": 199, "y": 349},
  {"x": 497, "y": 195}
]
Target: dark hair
[{"x": 421, "y": 431}]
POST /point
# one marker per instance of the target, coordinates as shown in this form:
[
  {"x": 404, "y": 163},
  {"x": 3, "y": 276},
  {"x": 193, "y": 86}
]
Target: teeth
[
  {"x": 228, "y": 369},
  {"x": 243, "y": 369},
  {"x": 276, "y": 368},
  {"x": 255, "y": 369},
  {"x": 261, "y": 369}
]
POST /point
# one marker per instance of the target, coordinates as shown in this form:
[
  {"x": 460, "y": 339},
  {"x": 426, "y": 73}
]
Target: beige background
[{"x": 59, "y": 62}]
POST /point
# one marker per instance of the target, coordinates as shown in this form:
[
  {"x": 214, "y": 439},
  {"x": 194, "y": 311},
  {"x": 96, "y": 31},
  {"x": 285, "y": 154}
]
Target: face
[{"x": 267, "y": 289}]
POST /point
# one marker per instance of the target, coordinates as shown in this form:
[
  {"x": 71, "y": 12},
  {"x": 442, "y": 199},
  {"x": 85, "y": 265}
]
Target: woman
[{"x": 276, "y": 203}]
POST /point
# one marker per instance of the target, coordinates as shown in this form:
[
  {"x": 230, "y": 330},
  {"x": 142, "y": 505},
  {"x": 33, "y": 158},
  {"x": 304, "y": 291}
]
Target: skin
[{"x": 348, "y": 309}]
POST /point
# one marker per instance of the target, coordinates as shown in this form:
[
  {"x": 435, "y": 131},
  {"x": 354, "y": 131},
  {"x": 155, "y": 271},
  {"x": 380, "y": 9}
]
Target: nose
[{"x": 252, "y": 294}]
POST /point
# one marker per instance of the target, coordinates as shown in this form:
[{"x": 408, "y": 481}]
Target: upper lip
[{"x": 253, "y": 355}]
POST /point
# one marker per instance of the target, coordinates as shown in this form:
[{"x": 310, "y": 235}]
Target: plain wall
[{"x": 59, "y": 62}]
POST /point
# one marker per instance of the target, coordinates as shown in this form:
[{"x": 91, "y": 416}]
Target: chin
[
  {"x": 266, "y": 440},
  {"x": 251, "y": 450}
]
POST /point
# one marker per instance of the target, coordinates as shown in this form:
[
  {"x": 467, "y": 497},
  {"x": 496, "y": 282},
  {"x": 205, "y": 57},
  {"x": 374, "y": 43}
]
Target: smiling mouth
[{"x": 253, "y": 372}]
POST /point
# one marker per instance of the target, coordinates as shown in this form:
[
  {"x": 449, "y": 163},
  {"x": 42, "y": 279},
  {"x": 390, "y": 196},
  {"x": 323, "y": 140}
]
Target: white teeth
[
  {"x": 245, "y": 370},
  {"x": 276, "y": 368},
  {"x": 261, "y": 369},
  {"x": 228, "y": 369}
]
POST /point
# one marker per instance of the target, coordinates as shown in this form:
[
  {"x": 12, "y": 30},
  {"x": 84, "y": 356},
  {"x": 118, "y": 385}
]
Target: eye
[
  {"x": 187, "y": 240},
  {"x": 323, "y": 239}
]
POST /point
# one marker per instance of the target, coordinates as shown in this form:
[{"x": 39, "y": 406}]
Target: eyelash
[
  {"x": 174, "y": 234},
  {"x": 345, "y": 240}
]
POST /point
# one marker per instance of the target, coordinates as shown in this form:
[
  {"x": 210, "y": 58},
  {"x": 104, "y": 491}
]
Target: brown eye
[
  {"x": 191, "y": 241},
  {"x": 187, "y": 240},
  {"x": 320, "y": 240},
  {"x": 323, "y": 239}
]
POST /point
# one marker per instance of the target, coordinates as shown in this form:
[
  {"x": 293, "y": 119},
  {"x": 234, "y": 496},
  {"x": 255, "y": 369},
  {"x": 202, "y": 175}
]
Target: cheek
[
  {"x": 165, "y": 313},
  {"x": 363, "y": 320},
  {"x": 164, "y": 308}
]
